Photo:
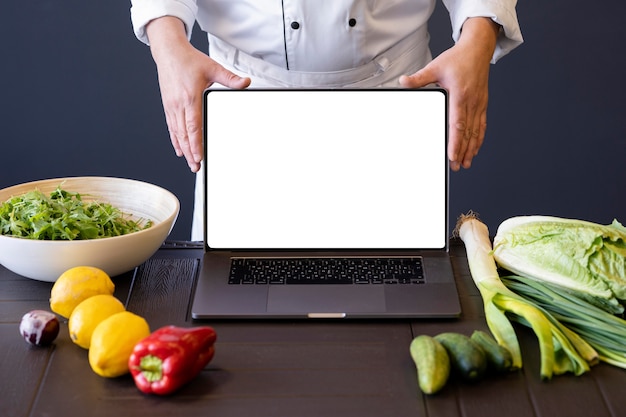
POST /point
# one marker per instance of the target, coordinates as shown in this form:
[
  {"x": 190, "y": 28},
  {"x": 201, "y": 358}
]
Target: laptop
[{"x": 325, "y": 204}]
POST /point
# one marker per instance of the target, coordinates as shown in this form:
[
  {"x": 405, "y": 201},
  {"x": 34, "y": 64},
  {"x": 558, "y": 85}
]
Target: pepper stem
[{"x": 151, "y": 368}]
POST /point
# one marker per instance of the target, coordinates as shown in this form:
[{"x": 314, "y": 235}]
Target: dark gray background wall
[{"x": 79, "y": 96}]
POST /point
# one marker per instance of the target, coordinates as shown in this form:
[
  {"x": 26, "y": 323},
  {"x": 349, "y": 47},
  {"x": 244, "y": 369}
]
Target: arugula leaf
[{"x": 63, "y": 215}]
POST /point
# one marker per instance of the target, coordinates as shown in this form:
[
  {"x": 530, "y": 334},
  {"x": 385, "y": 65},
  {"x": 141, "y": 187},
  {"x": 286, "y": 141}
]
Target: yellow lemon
[
  {"x": 88, "y": 314},
  {"x": 77, "y": 284},
  {"x": 112, "y": 343}
]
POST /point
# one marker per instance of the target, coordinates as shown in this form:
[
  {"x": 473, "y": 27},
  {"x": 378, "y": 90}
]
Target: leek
[
  {"x": 605, "y": 332},
  {"x": 560, "y": 350},
  {"x": 583, "y": 258}
]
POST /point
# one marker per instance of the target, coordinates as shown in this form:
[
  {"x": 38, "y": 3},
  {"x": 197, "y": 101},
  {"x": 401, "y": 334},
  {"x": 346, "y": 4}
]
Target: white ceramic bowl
[{"x": 46, "y": 260}]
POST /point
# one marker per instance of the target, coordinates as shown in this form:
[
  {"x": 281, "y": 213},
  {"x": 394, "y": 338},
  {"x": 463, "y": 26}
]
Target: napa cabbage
[{"x": 584, "y": 258}]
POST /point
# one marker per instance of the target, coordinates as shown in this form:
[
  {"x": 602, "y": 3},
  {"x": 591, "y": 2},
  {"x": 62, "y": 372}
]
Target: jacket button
[
  {"x": 295, "y": 25},
  {"x": 352, "y": 22}
]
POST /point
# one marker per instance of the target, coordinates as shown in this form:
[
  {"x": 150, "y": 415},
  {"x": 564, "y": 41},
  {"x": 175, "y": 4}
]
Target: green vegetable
[
  {"x": 63, "y": 215},
  {"x": 584, "y": 258},
  {"x": 604, "y": 331},
  {"x": 432, "y": 363},
  {"x": 466, "y": 357},
  {"x": 560, "y": 348},
  {"x": 498, "y": 357}
]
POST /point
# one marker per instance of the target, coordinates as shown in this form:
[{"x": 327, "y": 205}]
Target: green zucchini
[
  {"x": 467, "y": 358},
  {"x": 498, "y": 357},
  {"x": 432, "y": 362}
]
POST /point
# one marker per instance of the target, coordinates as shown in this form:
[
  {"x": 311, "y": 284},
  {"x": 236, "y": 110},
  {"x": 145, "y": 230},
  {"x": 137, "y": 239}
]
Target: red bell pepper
[{"x": 170, "y": 357}]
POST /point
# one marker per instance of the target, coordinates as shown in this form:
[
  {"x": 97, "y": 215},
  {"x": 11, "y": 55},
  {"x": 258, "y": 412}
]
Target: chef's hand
[
  {"x": 184, "y": 73},
  {"x": 463, "y": 70}
]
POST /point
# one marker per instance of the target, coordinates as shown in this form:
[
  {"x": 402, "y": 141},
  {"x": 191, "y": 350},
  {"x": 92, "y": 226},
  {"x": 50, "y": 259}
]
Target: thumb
[
  {"x": 421, "y": 78},
  {"x": 235, "y": 81},
  {"x": 229, "y": 79}
]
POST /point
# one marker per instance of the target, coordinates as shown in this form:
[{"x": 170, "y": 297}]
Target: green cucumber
[
  {"x": 466, "y": 357},
  {"x": 432, "y": 362},
  {"x": 498, "y": 357}
]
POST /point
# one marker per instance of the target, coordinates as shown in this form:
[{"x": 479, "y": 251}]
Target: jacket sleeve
[
  {"x": 143, "y": 11},
  {"x": 500, "y": 11}
]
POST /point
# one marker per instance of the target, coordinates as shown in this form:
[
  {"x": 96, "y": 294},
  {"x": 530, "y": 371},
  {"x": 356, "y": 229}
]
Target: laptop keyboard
[{"x": 285, "y": 271}]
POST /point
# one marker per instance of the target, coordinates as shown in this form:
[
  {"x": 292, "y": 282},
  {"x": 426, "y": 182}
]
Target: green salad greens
[{"x": 63, "y": 215}]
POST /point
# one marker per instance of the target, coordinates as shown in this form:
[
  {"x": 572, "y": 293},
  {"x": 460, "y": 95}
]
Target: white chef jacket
[
  {"x": 294, "y": 40},
  {"x": 332, "y": 43}
]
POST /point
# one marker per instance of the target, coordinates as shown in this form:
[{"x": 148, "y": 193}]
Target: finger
[
  {"x": 477, "y": 139},
  {"x": 470, "y": 135},
  {"x": 187, "y": 135},
  {"x": 459, "y": 134},
  {"x": 193, "y": 126},
  {"x": 457, "y": 137},
  {"x": 178, "y": 135},
  {"x": 421, "y": 78},
  {"x": 171, "y": 129},
  {"x": 471, "y": 150},
  {"x": 228, "y": 79},
  {"x": 476, "y": 115}
]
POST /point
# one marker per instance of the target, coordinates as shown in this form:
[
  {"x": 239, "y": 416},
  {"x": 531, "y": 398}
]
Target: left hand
[{"x": 463, "y": 70}]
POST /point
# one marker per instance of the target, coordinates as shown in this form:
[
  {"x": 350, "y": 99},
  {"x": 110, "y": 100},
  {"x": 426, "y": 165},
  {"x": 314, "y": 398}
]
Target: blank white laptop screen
[{"x": 310, "y": 169}]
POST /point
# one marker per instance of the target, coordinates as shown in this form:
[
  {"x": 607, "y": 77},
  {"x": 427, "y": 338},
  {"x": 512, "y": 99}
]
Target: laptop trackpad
[{"x": 326, "y": 299}]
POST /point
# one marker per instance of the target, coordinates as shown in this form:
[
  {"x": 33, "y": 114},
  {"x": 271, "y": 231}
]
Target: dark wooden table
[{"x": 286, "y": 368}]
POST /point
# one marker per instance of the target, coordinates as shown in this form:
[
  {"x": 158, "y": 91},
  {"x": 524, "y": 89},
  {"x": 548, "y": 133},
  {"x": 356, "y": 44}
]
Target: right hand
[{"x": 184, "y": 73}]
